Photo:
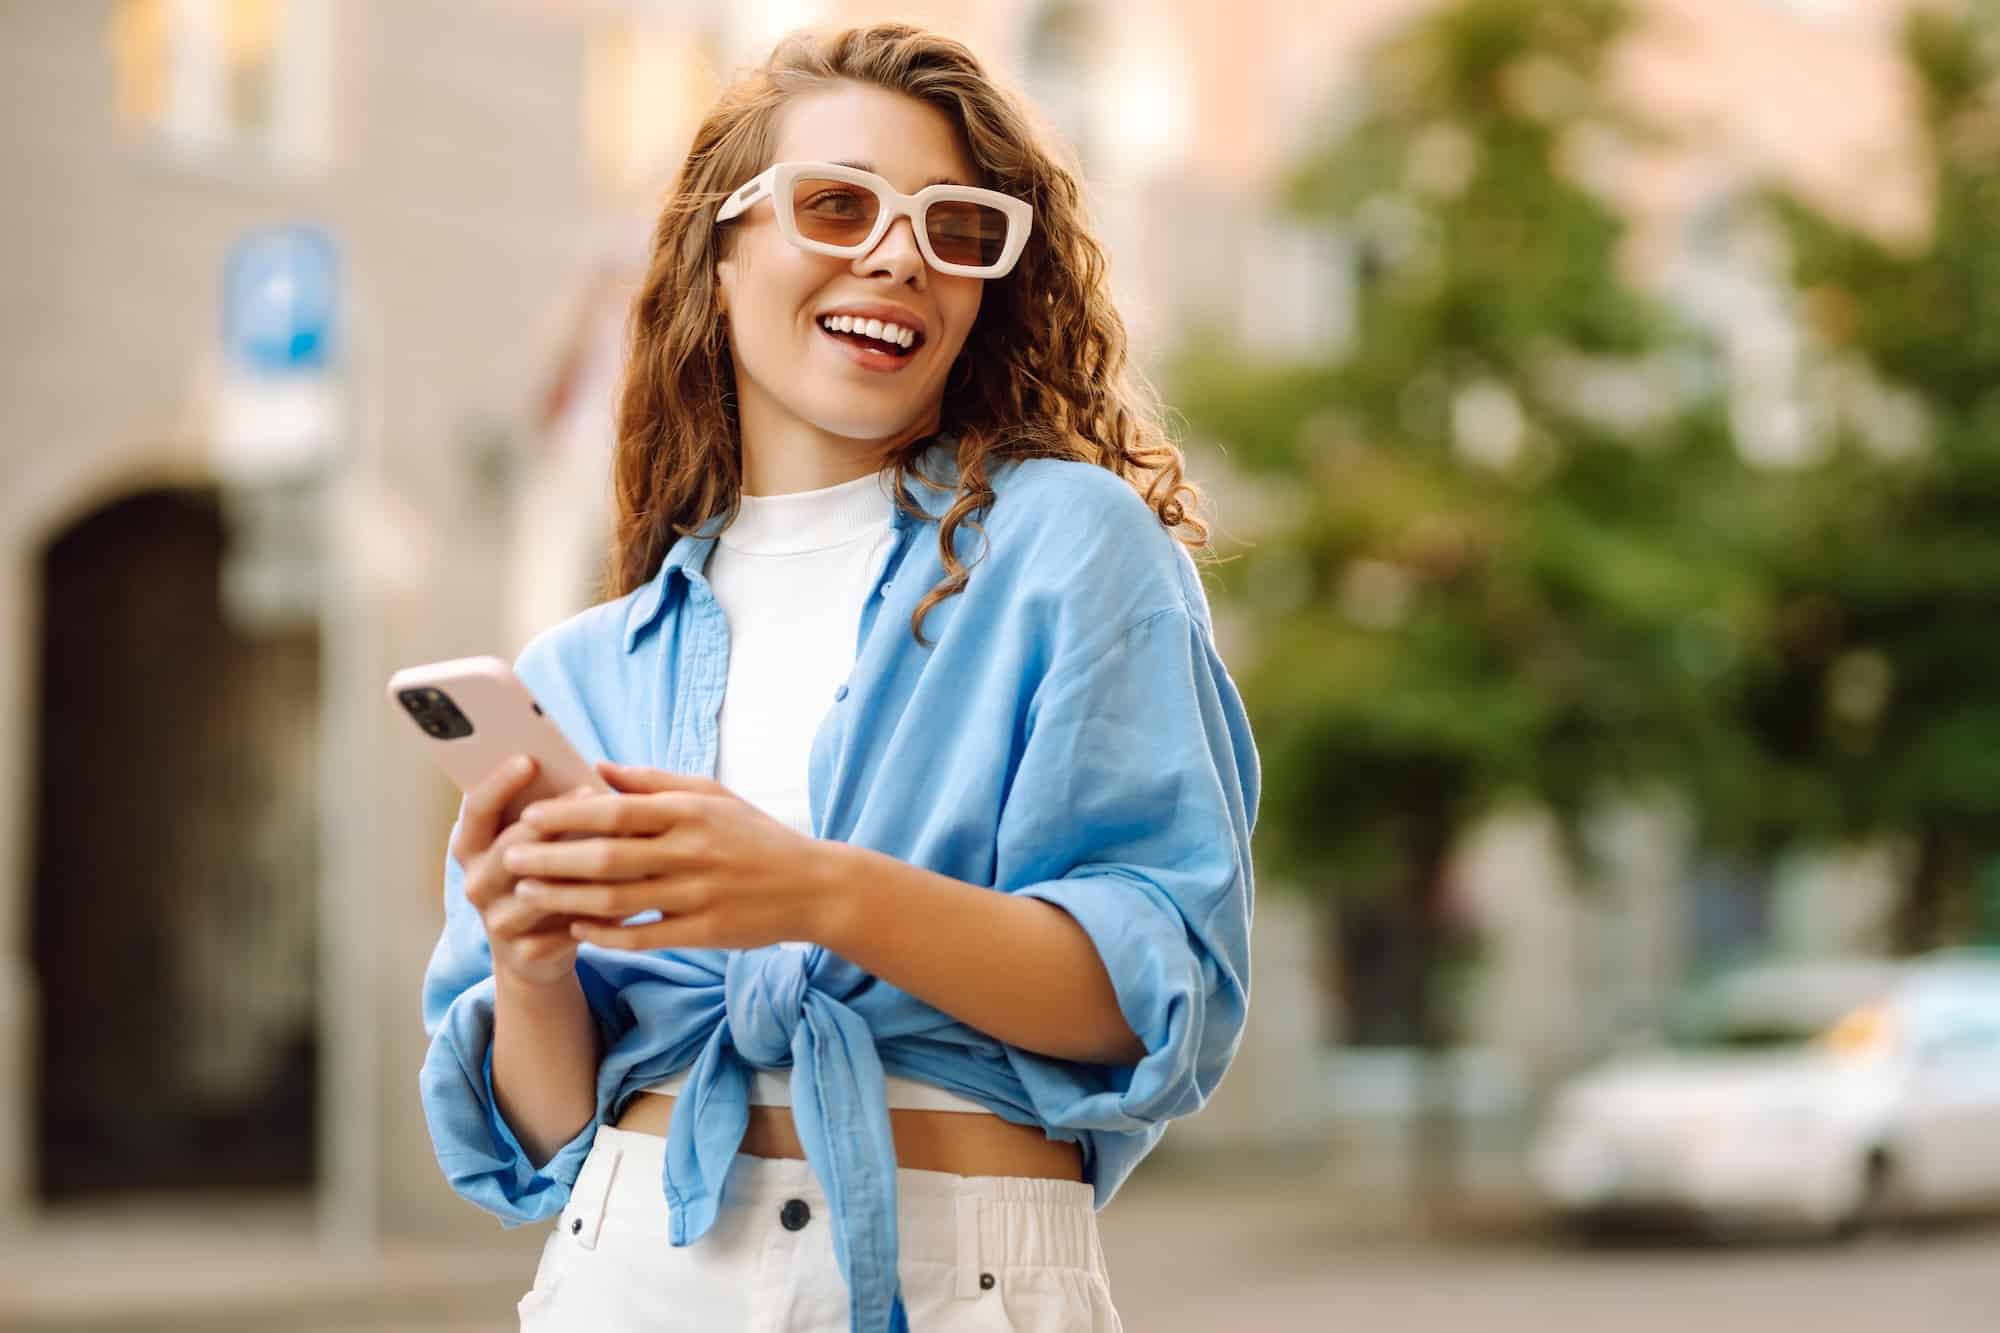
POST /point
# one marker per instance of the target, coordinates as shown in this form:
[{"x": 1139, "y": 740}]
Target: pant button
[
  {"x": 795, "y": 1214},
  {"x": 575, "y": 1225},
  {"x": 986, "y": 1282}
]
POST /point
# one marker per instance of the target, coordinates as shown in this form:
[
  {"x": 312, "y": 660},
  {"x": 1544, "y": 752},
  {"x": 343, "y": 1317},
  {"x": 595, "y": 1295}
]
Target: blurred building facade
[{"x": 221, "y": 858}]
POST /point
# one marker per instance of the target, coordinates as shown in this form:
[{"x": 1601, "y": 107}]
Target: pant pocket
[
  {"x": 574, "y": 1235},
  {"x": 542, "y": 1291}
]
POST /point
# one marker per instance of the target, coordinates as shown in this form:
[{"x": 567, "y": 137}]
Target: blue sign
[{"x": 279, "y": 295}]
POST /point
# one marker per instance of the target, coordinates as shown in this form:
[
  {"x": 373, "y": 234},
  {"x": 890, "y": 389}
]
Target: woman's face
[{"x": 790, "y": 371}]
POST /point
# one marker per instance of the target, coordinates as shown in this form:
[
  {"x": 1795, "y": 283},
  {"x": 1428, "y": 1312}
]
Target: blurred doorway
[{"x": 175, "y": 867}]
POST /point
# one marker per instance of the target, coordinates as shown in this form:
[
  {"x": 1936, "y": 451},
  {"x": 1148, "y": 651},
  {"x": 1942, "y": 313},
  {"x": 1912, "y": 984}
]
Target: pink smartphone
[{"x": 476, "y": 714}]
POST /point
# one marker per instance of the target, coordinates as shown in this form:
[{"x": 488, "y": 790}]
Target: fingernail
[{"x": 520, "y": 765}]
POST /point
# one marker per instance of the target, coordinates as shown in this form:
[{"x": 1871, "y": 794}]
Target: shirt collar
[{"x": 689, "y": 553}]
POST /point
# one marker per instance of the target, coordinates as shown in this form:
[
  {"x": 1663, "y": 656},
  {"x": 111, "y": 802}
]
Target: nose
[{"x": 895, "y": 256}]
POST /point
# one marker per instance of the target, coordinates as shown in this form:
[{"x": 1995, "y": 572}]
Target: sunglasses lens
[
  {"x": 833, "y": 212},
  {"x": 966, "y": 233}
]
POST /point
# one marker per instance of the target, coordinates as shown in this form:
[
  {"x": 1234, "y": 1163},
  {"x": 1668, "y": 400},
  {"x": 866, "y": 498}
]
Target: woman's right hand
[{"x": 529, "y": 944}]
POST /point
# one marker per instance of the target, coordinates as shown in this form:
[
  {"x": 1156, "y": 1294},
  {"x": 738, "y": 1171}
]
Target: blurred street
[{"x": 1191, "y": 1249}]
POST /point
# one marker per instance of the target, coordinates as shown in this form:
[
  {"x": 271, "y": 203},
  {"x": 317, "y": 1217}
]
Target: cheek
[
  {"x": 960, "y": 308},
  {"x": 772, "y": 283}
]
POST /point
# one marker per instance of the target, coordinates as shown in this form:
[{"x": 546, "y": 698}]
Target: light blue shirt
[{"x": 1070, "y": 734}]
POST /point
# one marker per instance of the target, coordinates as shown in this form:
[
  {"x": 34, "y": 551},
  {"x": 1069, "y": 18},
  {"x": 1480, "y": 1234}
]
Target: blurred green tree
[
  {"x": 1510, "y": 560},
  {"x": 1878, "y": 703}
]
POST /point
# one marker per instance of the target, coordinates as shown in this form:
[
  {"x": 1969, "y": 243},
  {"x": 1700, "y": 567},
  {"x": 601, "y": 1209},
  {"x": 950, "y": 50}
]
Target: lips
[{"x": 869, "y": 356}]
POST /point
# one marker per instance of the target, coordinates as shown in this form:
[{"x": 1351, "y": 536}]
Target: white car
[{"x": 1830, "y": 1094}]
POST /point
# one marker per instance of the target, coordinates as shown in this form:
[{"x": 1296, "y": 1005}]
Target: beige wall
[{"x": 457, "y": 199}]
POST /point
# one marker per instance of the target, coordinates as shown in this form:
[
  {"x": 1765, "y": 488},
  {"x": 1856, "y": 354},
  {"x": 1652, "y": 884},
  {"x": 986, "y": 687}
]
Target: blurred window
[
  {"x": 645, "y": 86},
  {"x": 224, "y": 82},
  {"x": 1061, "y": 47},
  {"x": 1779, "y": 1006},
  {"x": 1956, "y": 1011}
]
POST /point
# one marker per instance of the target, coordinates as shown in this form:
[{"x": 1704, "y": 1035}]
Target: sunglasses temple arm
[{"x": 742, "y": 202}]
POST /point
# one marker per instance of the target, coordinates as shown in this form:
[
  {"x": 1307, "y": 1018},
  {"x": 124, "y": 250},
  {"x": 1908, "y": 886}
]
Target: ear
[{"x": 725, "y": 278}]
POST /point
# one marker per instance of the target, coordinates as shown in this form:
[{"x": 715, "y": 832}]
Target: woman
[{"x": 900, "y": 618}]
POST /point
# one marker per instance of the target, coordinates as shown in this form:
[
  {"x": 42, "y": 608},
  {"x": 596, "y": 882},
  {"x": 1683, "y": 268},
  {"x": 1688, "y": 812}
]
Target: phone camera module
[{"x": 434, "y": 711}]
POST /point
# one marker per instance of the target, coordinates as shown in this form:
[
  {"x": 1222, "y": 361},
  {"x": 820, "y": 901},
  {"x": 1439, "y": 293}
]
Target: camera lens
[{"x": 434, "y": 711}]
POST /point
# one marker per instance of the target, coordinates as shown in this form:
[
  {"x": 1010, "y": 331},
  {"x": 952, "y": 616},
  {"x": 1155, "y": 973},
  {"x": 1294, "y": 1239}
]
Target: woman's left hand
[{"x": 723, "y": 874}]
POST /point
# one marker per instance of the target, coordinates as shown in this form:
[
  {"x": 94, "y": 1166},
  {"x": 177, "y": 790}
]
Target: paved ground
[
  {"x": 1190, "y": 1249},
  {"x": 1287, "y": 1257}
]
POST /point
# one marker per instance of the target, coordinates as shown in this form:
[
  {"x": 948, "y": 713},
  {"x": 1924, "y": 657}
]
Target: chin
[{"x": 861, "y": 425}]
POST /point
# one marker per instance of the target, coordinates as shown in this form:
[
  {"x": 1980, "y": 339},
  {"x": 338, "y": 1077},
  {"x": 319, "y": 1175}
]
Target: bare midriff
[{"x": 959, "y": 1142}]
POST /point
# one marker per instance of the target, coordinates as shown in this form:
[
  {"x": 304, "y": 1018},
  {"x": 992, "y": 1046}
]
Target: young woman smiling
[{"x": 922, "y": 901}]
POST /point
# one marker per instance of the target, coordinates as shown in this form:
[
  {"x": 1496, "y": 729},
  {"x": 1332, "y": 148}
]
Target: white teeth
[{"x": 872, "y": 328}]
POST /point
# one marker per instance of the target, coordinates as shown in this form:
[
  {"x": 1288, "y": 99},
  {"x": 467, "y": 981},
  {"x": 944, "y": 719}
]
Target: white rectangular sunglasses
[{"x": 843, "y": 211}]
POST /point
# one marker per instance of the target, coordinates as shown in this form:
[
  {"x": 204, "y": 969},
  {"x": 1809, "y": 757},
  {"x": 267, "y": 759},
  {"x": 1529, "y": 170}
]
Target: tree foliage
[
  {"x": 1881, "y": 702},
  {"x": 1511, "y": 559}
]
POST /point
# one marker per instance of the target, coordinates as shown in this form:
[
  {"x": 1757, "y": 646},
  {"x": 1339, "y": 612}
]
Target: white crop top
[{"x": 790, "y": 572}]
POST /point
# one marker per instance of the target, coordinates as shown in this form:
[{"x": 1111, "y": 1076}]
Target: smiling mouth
[
  {"x": 874, "y": 335},
  {"x": 871, "y": 344}
]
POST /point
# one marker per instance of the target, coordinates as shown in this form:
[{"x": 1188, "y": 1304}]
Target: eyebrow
[{"x": 869, "y": 167}]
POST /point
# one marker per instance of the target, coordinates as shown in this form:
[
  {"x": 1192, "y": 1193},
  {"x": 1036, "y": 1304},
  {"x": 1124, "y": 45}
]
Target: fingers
[
  {"x": 514, "y": 917},
  {"x": 611, "y": 902},
  {"x": 485, "y": 803},
  {"x": 638, "y": 778},
  {"x": 633, "y": 856},
  {"x": 487, "y": 878},
  {"x": 670, "y": 933},
  {"x": 601, "y": 814}
]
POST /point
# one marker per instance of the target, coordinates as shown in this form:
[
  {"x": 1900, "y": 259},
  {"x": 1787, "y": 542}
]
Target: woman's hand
[
  {"x": 723, "y": 874},
  {"x": 529, "y": 942}
]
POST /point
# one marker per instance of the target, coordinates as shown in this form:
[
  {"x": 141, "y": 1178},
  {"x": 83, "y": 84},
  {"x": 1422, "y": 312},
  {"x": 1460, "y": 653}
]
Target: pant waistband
[{"x": 940, "y": 1218}]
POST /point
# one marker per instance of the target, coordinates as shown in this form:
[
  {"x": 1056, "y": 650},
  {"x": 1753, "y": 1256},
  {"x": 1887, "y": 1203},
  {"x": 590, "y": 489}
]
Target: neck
[{"x": 782, "y": 454}]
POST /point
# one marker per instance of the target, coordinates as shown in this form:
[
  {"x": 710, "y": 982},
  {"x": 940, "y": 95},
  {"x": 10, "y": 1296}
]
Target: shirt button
[
  {"x": 840, "y": 694},
  {"x": 885, "y": 588},
  {"x": 795, "y": 1214}
]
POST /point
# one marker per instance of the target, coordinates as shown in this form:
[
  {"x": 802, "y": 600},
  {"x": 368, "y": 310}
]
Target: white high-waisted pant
[{"x": 977, "y": 1254}]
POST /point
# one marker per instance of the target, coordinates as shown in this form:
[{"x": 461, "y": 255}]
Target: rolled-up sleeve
[
  {"x": 1131, "y": 809},
  {"x": 480, "y": 1156}
]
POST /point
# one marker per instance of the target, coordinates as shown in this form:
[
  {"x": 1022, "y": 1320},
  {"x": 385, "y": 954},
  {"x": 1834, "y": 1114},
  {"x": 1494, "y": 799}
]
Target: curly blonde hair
[{"x": 1044, "y": 372}]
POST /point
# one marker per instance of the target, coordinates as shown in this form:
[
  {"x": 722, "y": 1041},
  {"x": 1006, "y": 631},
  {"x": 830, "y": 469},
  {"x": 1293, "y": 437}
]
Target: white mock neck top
[{"x": 790, "y": 572}]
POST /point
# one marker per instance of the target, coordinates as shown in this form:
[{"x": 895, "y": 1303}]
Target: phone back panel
[{"x": 506, "y": 721}]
